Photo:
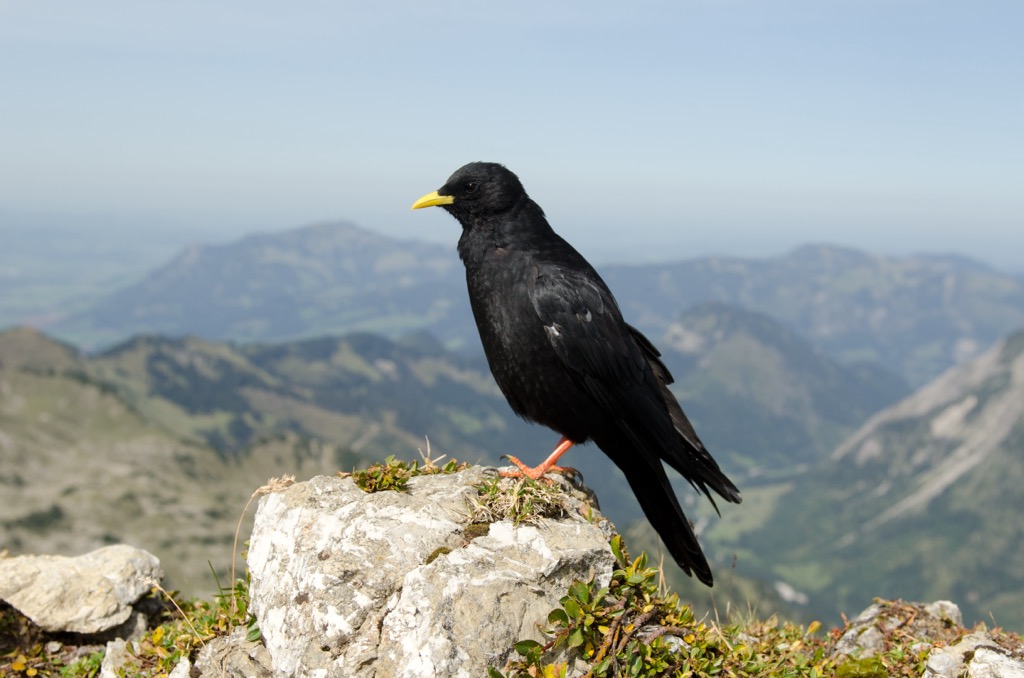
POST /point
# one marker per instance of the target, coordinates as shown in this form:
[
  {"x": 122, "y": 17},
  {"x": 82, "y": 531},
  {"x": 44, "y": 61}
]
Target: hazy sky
[{"x": 645, "y": 130}]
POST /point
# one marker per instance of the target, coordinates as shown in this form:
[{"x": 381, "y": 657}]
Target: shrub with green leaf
[{"x": 629, "y": 629}]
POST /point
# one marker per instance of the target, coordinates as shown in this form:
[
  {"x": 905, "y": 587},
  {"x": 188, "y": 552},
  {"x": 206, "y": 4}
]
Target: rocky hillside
[
  {"x": 102, "y": 448},
  {"x": 80, "y": 468},
  {"x": 160, "y": 442},
  {"x": 362, "y": 392},
  {"x": 923, "y": 501},
  {"x": 766, "y": 399},
  {"x": 367, "y": 393}
]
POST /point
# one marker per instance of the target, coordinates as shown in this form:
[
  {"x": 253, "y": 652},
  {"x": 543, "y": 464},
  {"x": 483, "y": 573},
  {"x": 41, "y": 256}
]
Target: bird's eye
[{"x": 471, "y": 187}]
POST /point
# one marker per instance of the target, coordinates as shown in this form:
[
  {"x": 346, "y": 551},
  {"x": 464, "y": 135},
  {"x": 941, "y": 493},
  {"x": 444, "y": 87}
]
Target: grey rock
[
  {"x": 464, "y": 611},
  {"x": 933, "y": 627},
  {"x": 115, "y": 657},
  {"x": 988, "y": 663},
  {"x": 945, "y": 611},
  {"x": 182, "y": 669},
  {"x": 233, "y": 657},
  {"x": 977, "y": 655},
  {"x": 868, "y": 631},
  {"x": 84, "y": 594},
  {"x": 863, "y": 638},
  {"x": 942, "y": 663},
  {"x": 341, "y": 586}
]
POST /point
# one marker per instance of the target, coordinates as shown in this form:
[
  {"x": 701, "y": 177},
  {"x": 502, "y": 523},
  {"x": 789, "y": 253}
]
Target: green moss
[
  {"x": 869, "y": 667},
  {"x": 86, "y": 666},
  {"x": 439, "y": 551},
  {"x": 475, "y": 530}
]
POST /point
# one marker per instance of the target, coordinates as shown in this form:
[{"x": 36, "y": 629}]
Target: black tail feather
[
  {"x": 658, "y": 500},
  {"x": 679, "y": 445}
]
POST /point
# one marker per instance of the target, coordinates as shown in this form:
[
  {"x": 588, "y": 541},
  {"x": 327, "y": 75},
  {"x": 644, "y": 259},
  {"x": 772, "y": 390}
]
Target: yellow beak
[{"x": 431, "y": 199}]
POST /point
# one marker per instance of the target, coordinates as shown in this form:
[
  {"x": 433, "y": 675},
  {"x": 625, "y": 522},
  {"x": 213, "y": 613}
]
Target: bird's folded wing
[
  {"x": 585, "y": 327},
  {"x": 620, "y": 368}
]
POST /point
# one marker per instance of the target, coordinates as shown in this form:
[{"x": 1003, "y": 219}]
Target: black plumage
[{"x": 564, "y": 357}]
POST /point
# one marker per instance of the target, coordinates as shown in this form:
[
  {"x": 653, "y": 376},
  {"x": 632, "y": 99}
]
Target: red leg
[{"x": 547, "y": 465}]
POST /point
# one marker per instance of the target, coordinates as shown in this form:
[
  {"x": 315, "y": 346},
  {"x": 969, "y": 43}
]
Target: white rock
[
  {"x": 340, "y": 583},
  {"x": 85, "y": 594},
  {"x": 233, "y": 656},
  {"x": 977, "y": 655},
  {"x": 987, "y": 663},
  {"x": 182, "y": 669},
  {"x": 114, "y": 657},
  {"x": 945, "y": 610}
]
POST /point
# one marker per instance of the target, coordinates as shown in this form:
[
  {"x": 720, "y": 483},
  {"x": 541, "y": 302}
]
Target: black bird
[{"x": 564, "y": 357}]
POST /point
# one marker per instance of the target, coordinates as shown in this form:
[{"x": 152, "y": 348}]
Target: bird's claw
[{"x": 535, "y": 473}]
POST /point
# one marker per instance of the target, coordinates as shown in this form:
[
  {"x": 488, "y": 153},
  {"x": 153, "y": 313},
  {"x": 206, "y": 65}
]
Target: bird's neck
[{"x": 523, "y": 228}]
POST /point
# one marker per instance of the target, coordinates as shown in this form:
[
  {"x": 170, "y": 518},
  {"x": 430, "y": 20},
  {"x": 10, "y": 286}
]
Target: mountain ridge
[{"x": 916, "y": 315}]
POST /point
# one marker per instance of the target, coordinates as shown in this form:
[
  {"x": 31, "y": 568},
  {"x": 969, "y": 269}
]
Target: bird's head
[{"x": 479, "y": 189}]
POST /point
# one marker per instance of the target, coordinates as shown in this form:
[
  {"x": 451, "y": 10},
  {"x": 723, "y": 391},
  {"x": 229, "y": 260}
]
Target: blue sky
[{"x": 646, "y": 130}]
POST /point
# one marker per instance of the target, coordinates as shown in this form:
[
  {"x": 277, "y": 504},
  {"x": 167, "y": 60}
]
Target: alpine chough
[{"x": 563, "y": 356}]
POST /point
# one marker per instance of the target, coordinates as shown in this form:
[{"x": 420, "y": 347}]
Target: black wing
[
  {"x": 620, "y": 368},
  {"x": 585, "y": 327}
]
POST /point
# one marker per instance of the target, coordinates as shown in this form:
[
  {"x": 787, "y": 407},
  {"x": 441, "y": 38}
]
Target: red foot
[{"x": 547, "y": 465}]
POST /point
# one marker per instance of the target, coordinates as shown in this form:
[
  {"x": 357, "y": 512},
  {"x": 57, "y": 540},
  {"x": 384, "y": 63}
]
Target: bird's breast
[{"x": 525, "y": 366}]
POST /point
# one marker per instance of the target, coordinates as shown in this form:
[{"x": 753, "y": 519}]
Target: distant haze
[
  {"x": 151, "y": 239},
  {"x": 654, "y": 131}
]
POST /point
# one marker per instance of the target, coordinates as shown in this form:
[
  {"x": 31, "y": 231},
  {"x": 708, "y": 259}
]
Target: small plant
[
  {"x": 629, "y": 629},
  {"x": 391, "y": 475},
  {"x": 86, "y": 667},
  {"x": 192, "y": 624},
  {"x": 394, "y": 474},
  {"x": 180, "y": 630},
  {"x": 619, "y": 629}
]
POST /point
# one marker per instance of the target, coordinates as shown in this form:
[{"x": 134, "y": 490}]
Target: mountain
[
  {"x": 363, "y": 392},
  {"x": 321, "y": 279},
  {"x": 220, "y": 418},
  {"x": 160, "y": 442},
  {"x": 80, "y": 468},
  {"x": 917, "y": 315},
  {"x": 792, "y": 402},
  {"x": 50, "y": 271},
  {"x": 765, "y": 398},
  {"x": 923, "y": 501}
]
